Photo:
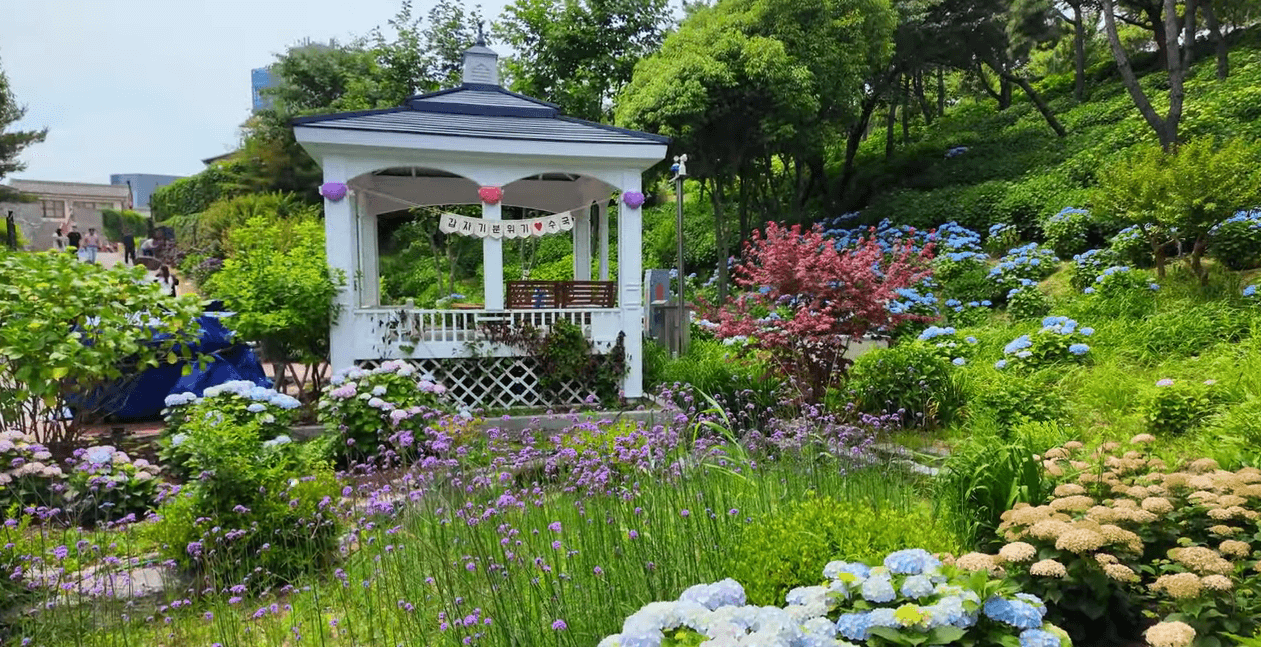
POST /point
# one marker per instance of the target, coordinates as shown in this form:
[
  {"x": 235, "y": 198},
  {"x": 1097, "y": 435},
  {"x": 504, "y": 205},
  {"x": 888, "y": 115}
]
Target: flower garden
[{"x": 1053, "y": 446}]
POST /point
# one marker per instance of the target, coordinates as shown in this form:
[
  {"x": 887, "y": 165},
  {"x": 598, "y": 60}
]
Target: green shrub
[
  {"x": 1091, "y": 264},
  {"x": 1180, "y": 405},
  {"x": 1236, "y": 242},
  {"x": 1028, "y": 302},
  {"x": 114, "y": 223},
  {"x": 1066, "y": 232},
  {"x": 237, "y": 402},
  {"x": 910, "y": 378},
  {"x": 104, "y": 485},
  {"x": 718, "y": 370},
  {"x": 790, "y": 548},
  {"x": 1002, "y": 237},
  {"x": 982, "y": 479},
  {"x": 388, "y": 407},
  {"x": 1013, "y": 400},
  {"x": 1058, "y": 341},
  {"x": 1241, "y": 422},
  {"x": 261, "y": 513},
  {"x": 1132, "y": 247},
  {"x": 1121, "y": 291},
  {"x": 195, "y": 193}
]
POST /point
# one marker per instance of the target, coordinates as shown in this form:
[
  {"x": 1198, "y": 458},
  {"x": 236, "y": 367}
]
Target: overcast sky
[{"x": 155, "y": 86}]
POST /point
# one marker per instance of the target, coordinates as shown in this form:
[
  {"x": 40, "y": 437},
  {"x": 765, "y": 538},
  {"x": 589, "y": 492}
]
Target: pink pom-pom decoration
[
  {"x": 333, "y": 190},
  {"x": 490, "y": 194},
  {"x": 633, "y": 199}
]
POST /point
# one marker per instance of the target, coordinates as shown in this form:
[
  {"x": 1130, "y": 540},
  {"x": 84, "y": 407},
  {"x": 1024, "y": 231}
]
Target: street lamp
[{"x": 685, "y": 328}]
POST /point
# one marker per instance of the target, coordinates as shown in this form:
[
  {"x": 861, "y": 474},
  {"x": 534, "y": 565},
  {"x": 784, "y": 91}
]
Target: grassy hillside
[{"x": 1016, "y": 169}]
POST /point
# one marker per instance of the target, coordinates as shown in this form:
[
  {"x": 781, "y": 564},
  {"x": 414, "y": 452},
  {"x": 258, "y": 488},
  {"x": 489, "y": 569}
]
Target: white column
[
  {"x": 602, "y": 212},
  {"x": 582, "y": 244},
  {"x": 492, "y": 262},
  {"x": 369, "y": 252},
  {"x": 341, "y": 248},
  {"x": 630, "y": 285}
]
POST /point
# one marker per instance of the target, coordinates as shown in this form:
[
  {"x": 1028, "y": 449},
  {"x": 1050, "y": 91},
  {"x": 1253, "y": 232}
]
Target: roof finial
[{"x": 481, "y": 37}]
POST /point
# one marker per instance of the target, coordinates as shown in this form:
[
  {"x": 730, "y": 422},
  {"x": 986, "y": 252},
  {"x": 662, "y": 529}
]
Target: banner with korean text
[{"x": 556, "y": 223}]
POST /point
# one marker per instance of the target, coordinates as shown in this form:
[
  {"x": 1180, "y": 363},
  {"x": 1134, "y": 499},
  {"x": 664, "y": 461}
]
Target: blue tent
[{"x": 144, "y": 397}]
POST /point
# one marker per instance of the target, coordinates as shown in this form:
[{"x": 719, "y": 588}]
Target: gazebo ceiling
[{"x": 413, "y": 171}]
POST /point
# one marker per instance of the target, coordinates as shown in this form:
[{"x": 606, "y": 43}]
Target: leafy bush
[
  {"x": 983, "y": 479},
  {"x": 911, "y": 598},
  {"x": 1123, "y": 292},
  {"x": 1066, "y": 231},
  {"x": 387, "y": 407},
  {"x": 1028, "y": 302},
  {"x": 28, "y": 475},
  {"x": 790, "y": 548},
  {"x": 717, "y": 369},
  {"x": 1184, "y": 332},
  {"x": 236, "y": 402},
  {"x": 1057, "y": 341},
  {"x": 1090, "y": 264},
  {"x": 107, "y": 485},
  {"x": 1180, "y": 406},
  {"x": 1126, "y": 538},
  {"x": 195, "y": 193},
  {"x": 82, "y": 327},
  {"x": 262, "y": 513},
  {"x": 1021, "y": 266},
  {"x": 910, "y": 379},
  {"x": 277, "y": 281},
  {"x": 1236, "y": 242},
  {"x": 1241, "y": 422},
  {"x": 951, "y": 266},
  {"x": 114, "y": 223},
  {"x": 1132, "y": 247},
  {"x": 971, "y": 313},
  {"x": 1002, "y": 237},
  {"x": 1014, "y": 400}
]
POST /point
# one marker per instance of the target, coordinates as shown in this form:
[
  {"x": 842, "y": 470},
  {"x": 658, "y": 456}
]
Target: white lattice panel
[{"x": 491, "y": 382}]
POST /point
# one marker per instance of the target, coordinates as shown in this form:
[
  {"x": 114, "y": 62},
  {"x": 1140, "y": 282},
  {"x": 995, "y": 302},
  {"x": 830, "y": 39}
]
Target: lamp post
[{"x": 685, "y": 328}]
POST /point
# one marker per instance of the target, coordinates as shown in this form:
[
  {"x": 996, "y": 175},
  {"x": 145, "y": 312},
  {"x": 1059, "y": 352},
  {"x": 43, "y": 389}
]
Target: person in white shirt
[{"x": 167, "y": 280}]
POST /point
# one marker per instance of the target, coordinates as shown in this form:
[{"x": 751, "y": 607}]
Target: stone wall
[{"x": 40, "y": 232}]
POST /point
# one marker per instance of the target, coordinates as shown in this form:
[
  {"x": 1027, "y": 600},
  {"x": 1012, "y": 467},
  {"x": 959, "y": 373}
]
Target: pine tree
[{"x": 12, "y": 142}]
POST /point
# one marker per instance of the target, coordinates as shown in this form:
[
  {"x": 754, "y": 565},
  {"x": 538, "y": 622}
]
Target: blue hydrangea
[
  {"x": 1250, "y": 291},
  {"x": 970, "y": 339},
  {"x": 1087, "y": 331},
  {"x": 882, "y": 618},
  {"x": 1000, "y": 364},
  {"x": 911, "y": 561},
  {"x": 1089, "y": 291},
  {"x": 958, "y": 361},
  {"x": 917, "y": 586},
  {"x": 256, "y": 407},
  {"x": 878, "y": 590},
  {"x": 1038, "y": 638},
  {"x": 1020, "y": 343},
  {"x": 935, "y": 331},
  {"x": 1154, "y": 286},
  {"x": 1078, "y": 349},
  {"x": 857, "y": 569},
  {"x": 854, "y": 626},
  {"x": 1017, "y": 613}
]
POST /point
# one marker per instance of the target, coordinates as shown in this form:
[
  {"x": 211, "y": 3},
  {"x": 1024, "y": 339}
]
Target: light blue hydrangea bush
[
  {"x": 1023, "y": 264},
  {"x": 105, "y": 484},
  {"x": 948, "y": 344},
  {"x": 1252, "y": 295},
  {"x": 911, "y": 598},
  {"x": 971, "y": 313},
  {"x": 1131, "y": 247},
  {"x": 1028, "y": 302},
  {"x": 1002, "y": 237},
  {"x": 1236, "y": 241},
  {"x": 1090, "y": 264},
  {"x": 1066, "y": 231},
  {"x": 238, "y": 402},
  {"x": 1059, "y": 341}
]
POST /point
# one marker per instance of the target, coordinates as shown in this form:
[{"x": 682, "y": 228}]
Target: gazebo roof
[{"x": 481, "y": 111}]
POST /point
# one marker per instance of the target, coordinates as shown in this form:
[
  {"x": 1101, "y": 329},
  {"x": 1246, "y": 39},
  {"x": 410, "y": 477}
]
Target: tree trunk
[
  {"x": 1160, "y": 34},
  {"x": 1131, "y": 81},
  {"x": 941, "y": 92},
  {"x": 1037, "y": 101},
  {"x": 720, "y": 238},
  {"x": 1179, "y": 63},
  {"x": 1079, "y": 52},
  {"x": 890, "y": 122},
  {"x": 744, "y": 208},
  {"x": 1197, "y": 254},
  {"x": 1215, "y": 33},
  {"x": 906, "y": 113},
  {"x": 854, "y": 139},
  {"x": 1004, "y": 93},
  {"x": 925, "y": 107}
]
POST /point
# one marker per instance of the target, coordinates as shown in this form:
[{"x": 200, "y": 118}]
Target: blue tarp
[{"x": 144, "y": 397}]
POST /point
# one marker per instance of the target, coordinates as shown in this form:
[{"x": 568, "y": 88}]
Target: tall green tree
[
  {"x": 1177, "y": 53},
  {"x": 579, "y": 54},
  {"x": 13, "y": 142},
  {"x": 1042, "y": 20},
  {"x": 726, "y": 98}
]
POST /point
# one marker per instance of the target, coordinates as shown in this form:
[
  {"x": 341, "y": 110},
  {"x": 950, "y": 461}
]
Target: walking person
[
  {"x": 167, "y": 280},
  {"x": 59, "y": 240},
  {"x": 73, "y": 237},
  {"x": 129, "y": 247},
  {"x": 91, "y": 245}
]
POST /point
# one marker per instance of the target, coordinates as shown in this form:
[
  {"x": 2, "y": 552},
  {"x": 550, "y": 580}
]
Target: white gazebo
[{"x": 481, "y": 144}]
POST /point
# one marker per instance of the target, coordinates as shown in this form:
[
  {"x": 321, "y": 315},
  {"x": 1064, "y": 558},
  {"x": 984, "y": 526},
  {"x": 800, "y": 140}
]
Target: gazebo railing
[{"x": 386, "y": 333}]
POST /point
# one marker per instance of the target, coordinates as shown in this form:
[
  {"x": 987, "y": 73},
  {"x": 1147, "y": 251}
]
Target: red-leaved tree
[{"x": 803, "y": 301}]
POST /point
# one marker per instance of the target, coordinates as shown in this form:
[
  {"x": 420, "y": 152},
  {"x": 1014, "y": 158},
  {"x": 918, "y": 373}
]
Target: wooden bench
[{"x": 561, "y": 294}]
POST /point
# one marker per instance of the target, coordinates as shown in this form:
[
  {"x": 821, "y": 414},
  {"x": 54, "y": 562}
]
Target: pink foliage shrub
[{"x": 803, "y": 301}]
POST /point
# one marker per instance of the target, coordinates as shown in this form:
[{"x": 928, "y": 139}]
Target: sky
[{"x": 155, "y": 86}]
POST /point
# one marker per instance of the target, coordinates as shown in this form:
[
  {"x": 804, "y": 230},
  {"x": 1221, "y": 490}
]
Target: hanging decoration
[
  {"x": 452, "y": 223},
  {"x": 334, "y": 191},
  {"x": 633, "y": 199},
  {"x": 490, "y": 194}
]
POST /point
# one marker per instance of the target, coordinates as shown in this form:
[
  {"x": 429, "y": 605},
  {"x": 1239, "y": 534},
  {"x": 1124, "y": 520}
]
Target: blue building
[
  {"x": 142, "y": 186},
  {"x": 261, "y": 78}
]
